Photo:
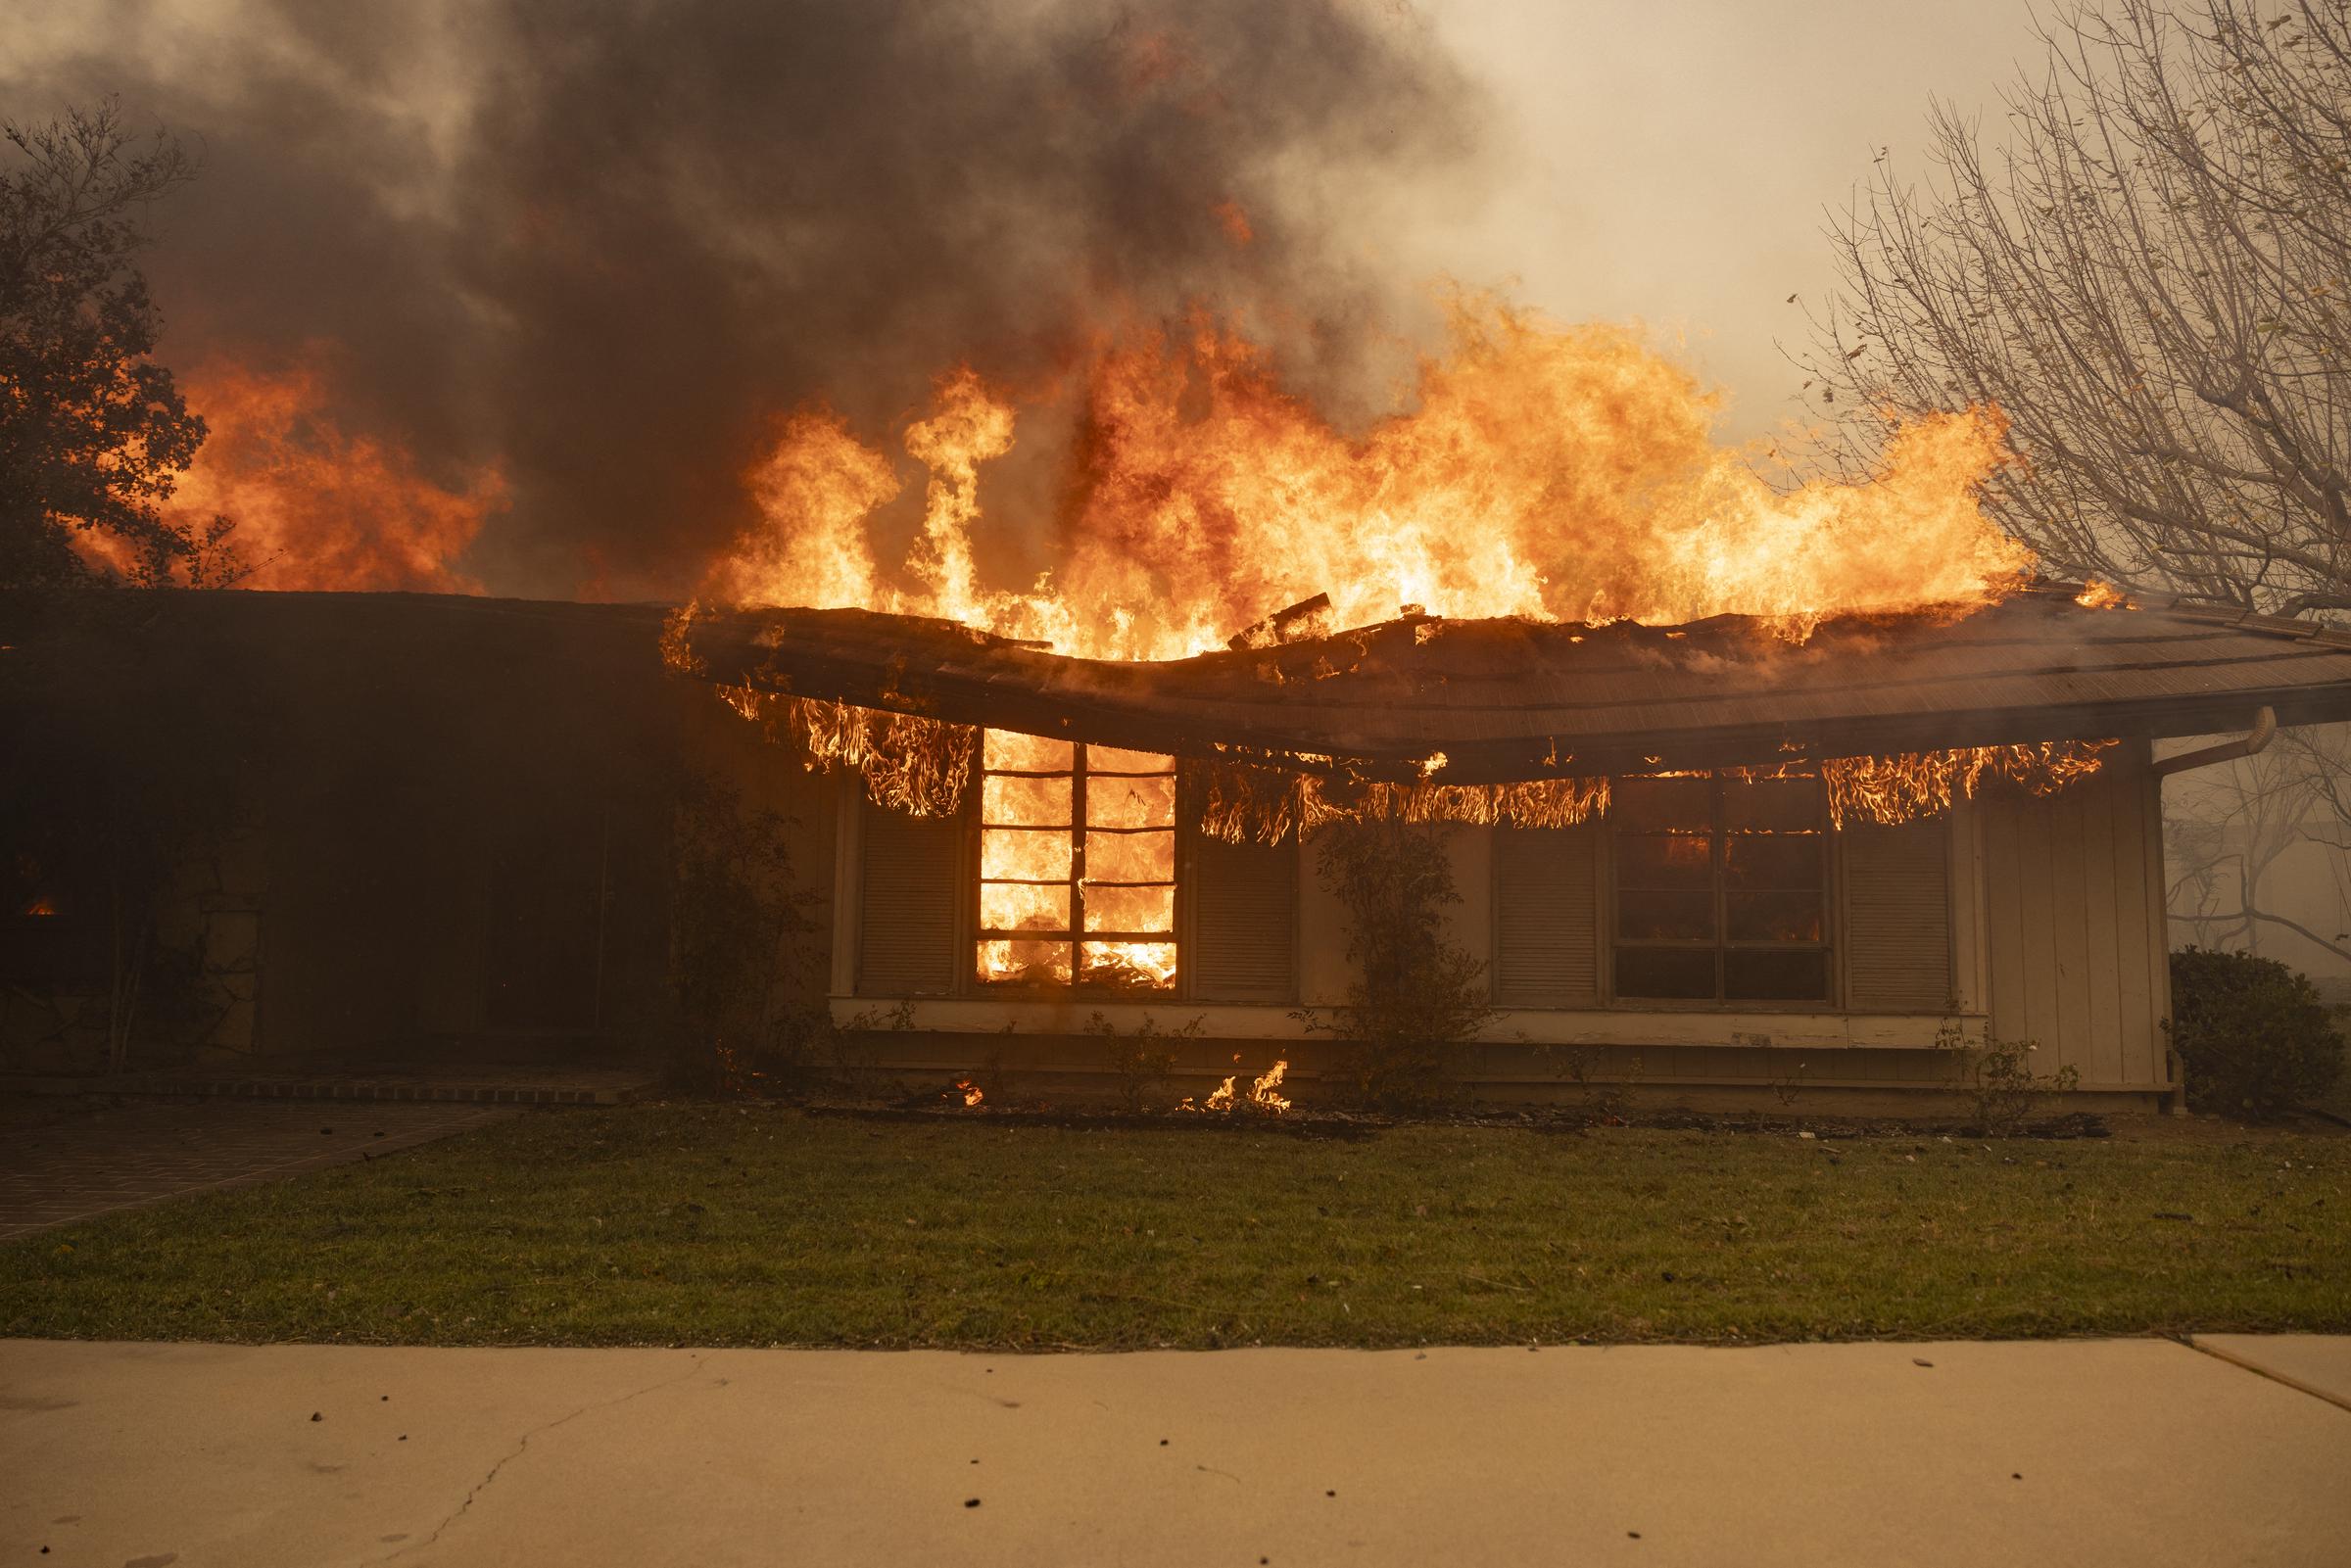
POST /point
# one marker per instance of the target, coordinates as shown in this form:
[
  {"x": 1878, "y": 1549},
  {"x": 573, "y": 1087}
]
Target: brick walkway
[{"x": 68, "y": 1160}]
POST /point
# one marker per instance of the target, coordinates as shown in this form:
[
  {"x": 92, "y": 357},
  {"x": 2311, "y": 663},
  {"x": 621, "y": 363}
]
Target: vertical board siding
[
  {"x": 1897, "y": 916},
  {"x": 1546, "y": 917},
  {"x": 1243, "y": 903},
  {"x": 2073, "y": 924},
  {"x": 906, "y": 923},
  {"x": 2101, "y": 956}
]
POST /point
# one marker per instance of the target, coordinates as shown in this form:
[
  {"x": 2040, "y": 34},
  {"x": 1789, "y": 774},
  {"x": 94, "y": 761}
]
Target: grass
[{"x": 719, "y": 1224}]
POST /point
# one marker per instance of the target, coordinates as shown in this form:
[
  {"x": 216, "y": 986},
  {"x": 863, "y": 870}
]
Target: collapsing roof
[{"x": 1510, "y": 700}]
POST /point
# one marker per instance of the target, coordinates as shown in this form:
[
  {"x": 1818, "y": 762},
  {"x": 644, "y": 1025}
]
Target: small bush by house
[{"x": 2253, "y": 1035}]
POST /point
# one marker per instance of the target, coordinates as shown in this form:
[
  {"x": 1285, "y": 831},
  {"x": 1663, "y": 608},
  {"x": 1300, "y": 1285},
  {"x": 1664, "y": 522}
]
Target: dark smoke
[{"x": 604, "y": 244}]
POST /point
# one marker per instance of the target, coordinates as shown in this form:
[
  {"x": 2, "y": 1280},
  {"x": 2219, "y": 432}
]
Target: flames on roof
[{"x": 1507, "y": 720}]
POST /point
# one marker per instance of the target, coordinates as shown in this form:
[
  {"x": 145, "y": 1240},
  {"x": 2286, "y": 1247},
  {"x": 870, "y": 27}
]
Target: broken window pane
[
  {"x": 1029, "y": 844},
  {"x": 1131, "y": 966},
  {"x": 1010, "y": 800},
  {"x": 1116, "y": 802},
  {"x": 1109, "y": 759},
  {"x": 1024, "y": 963},
  {"x": 1148, "y": 856},
  {"x": 1027, "y": 754},
  {"x": 1016, "y": 854},
  {"x": 1024, "y": 906},
  {"x": 1129, "y": 909}
]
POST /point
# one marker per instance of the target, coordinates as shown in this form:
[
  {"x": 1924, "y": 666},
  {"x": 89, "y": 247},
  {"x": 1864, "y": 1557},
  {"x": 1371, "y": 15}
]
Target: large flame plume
[
  {"x": 314, "y": 505},
  {"x": 1561, "y": 472}
]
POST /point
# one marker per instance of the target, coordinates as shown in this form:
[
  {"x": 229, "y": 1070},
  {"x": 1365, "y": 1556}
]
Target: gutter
[{"x": 2257, "y": 739}]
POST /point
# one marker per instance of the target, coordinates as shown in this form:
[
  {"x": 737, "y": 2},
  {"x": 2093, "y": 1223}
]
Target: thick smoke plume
[{"x": 599, "y": 250}]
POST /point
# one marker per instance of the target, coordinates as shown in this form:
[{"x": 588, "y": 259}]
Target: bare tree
[
  {"x": 2234, "y": 829},
  {"x": 2150, "y": 277},
  {"x": 2148, "y": 273}
]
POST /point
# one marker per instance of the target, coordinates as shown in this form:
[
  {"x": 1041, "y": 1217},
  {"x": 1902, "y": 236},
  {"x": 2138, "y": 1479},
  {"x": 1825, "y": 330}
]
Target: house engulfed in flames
[{"x": 1710, "y": 855}]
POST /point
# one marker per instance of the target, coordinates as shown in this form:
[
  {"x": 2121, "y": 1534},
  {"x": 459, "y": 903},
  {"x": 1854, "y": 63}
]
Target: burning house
[
  {"x": 1712, "y": 855},
  {"x": 1741, "y": 782}
]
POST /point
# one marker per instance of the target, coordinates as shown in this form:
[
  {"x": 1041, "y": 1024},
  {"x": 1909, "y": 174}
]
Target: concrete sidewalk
[{"x": 2139, "y": 1451}]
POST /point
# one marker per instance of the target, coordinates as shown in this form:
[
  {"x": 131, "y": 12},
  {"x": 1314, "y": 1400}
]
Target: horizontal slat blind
[
  {"x": 1897, "y": 916},
  {"x": 906, "y": 911},
  {"x": 1245, "y": 922},
  {"x": 1546, "y": 926}
]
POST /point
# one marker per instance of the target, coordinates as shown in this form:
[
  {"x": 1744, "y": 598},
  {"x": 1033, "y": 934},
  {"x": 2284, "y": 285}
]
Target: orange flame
[
  {"x": 1545, "y": 471},
  {"x": 314, "y": 505},
  {"x": 1262, "y": 1093},
  {"x": 970, "y": 1092}
]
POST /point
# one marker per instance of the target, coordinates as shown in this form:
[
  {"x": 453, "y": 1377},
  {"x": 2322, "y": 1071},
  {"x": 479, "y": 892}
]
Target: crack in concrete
[
  {"x": 2258, "y": 1370},
  {"x": 525, "y": 1442}
]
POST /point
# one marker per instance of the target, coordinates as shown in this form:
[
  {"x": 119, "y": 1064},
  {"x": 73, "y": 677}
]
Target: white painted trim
[
  {"x": 1807, "y": 1031},
  {"x": 1971, "y": 931}
]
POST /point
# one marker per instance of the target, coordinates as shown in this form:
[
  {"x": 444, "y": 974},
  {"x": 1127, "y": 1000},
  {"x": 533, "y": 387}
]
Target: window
[
  {"x": 1720, "y": 888},
  {"x": 1076, "y": 865}
]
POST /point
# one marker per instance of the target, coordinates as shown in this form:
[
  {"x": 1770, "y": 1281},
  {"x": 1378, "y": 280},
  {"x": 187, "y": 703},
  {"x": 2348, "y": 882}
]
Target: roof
[{"x": 1507, "y": 699}]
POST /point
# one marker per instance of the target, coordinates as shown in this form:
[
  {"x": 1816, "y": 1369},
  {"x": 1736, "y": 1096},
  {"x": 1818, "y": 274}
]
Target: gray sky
[{"x": 1674, "y": 158}]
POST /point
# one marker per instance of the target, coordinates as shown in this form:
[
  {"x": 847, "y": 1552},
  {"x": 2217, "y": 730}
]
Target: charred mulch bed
[
  {"x": 758, "y": 1223},
  {"x": 1353, "y": 1125}
]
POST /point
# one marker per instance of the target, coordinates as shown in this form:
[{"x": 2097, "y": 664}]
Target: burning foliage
[{"x": 316, "y": 506}]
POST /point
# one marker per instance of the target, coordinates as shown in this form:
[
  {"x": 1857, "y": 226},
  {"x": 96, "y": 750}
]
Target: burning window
[
  {"x": 1721, "y": 888},
  {"x": 1076, "y": 865}
]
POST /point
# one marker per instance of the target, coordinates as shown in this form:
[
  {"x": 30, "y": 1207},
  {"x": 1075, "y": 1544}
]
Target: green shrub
[
  {"x": 1417, "y": 999},
  {"x": 2253, "y": 1034}
]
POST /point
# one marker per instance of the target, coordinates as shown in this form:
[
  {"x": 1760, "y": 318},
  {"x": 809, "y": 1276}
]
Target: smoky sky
[{"x": 604, "y": 244}]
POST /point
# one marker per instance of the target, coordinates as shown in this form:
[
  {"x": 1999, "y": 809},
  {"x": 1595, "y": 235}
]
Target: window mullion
[
  {"x": 1722, "y": 910},
  {"x": 1077, "y": 815}
]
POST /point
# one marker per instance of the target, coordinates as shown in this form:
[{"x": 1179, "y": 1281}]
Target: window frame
[
  {"x": 1721, "y": 944},
  {"x": 971, "y": 897}
]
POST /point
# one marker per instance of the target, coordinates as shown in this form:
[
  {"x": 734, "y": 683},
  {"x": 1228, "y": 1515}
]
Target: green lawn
[{"x": 720, "y": 1224}]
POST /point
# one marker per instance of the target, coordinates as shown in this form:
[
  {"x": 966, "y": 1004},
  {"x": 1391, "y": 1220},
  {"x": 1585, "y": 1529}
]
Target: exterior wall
[
  {"x": 2072, "y": 905},
  {"x": 2055, "y": 931},
  {"x": 446, "y": 831}
]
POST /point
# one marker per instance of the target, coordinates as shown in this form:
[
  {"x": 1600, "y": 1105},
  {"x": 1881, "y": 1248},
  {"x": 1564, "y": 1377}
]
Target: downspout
[{"x": 2255, "y": 740}]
